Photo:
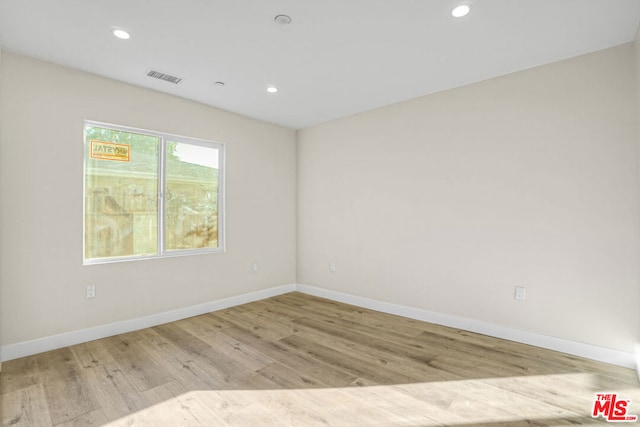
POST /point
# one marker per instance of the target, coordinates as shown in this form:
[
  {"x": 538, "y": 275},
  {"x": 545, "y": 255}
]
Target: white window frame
[{"x": 163, "y": 137}]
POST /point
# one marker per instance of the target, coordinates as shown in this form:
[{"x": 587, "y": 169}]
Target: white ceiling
[{"x": 337, "y": 57}]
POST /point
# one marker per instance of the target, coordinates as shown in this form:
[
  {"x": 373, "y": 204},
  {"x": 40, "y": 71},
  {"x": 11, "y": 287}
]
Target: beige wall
[
  {"x": 42, "y": 277},
  {"x": 445, "y": 202},
  {"x": 636, "y": 46},
  {"x": 1, "y": 202},
  {"x": 449, "y": 201}
]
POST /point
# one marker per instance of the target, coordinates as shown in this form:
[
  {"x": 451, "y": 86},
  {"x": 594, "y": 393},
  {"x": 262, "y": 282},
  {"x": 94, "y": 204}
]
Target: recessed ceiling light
[
  {"x": 219, "y": 84},
  {"x": 460, "y": 11},
  {"x": 272, "y": 89},
  {"x": 282, "y": 19},
  {"x": 121, "y": 34}
]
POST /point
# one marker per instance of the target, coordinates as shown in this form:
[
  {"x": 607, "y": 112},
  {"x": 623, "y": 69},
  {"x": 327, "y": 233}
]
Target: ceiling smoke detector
[{"x": 282, "y": 19}]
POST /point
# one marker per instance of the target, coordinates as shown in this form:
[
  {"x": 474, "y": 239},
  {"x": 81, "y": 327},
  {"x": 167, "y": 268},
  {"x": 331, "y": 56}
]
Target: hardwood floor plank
[
  {"x": 95, "y": 418},
  {"x": 287, "y": 377},
  {"x": 573, "y": 392},
  {"x": 186, "y": 369},
  {"x": 188, "y": 343},
  {"x": 373, "y": 350},
  {"x": 18, "y": 374},
  {"x": 25, "y": 406},
  {"x": 117, "y": 394},
  {"x": 535, "y": 357},
  {"x": 92, "y": 353},
  {"x": 451, "y": 364},
  {"x": 67, "y": 395},
  {"x": 182, "y": 410},
  {"x": 383, "y": 322},
  {"x": 164, "y": 392},
  {"x": 136, "y": 362},
  {"x": 291, "y": 357},
  {"x": 251, "y": 358},
  {"x": 252, "y": 322},
  {"x": 345, "y": 362},
  {"x": 410, "y": 328},
  {"x": 200, "y": 357},
  {"x": 248, "y": 413}
]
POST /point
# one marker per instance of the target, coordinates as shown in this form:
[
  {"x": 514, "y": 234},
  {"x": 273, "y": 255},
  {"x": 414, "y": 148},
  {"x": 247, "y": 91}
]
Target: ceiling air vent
[{"x": 162, "y": 76}]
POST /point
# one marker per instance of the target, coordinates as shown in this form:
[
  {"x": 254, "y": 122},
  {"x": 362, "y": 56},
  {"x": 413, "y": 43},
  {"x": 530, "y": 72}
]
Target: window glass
[{"x": 191, "y": 196}]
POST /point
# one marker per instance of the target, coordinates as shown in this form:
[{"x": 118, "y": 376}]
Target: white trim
[
  {"x": 27, "y": 348},
  {"x": 589, "y": 351},
  {"x": 638, "y": 360}
]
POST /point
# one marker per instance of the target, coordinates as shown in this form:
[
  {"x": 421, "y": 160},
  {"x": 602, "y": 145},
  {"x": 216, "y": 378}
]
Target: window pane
[
  {"x": 121, "y": 188},
  {"x": 191, "y": 203}
]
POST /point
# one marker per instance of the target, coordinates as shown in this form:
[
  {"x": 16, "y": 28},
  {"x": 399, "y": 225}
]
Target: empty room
[{"x": 319, "y": 213}]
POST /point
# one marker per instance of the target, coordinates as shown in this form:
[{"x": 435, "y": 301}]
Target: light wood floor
[{"x": 297, "y": 360}]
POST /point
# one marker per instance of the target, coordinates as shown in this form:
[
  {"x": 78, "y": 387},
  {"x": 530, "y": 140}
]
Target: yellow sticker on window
[{"x": 110, "y": 151}]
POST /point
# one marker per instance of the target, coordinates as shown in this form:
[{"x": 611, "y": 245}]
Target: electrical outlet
[
  {"x": 254, "y": 267},
  {"x": 332, "y": 267},
  {"x": 91, "y": 291},
  {"x": 521, "y": 293}
]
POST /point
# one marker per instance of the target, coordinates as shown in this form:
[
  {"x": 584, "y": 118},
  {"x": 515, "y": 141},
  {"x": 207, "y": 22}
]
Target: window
[{"x": 149, "y": 194}]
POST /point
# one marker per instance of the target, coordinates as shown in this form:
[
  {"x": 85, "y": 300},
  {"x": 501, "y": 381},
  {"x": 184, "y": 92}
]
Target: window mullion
[{"x": 162, "y": 189}]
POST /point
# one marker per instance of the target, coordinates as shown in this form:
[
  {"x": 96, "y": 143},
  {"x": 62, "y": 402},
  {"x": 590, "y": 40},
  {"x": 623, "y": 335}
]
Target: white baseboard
[
  {"x": 602, "y": 354},
  {"x": 615, "y": 357},
  {"x": 27, "y": 348}
]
